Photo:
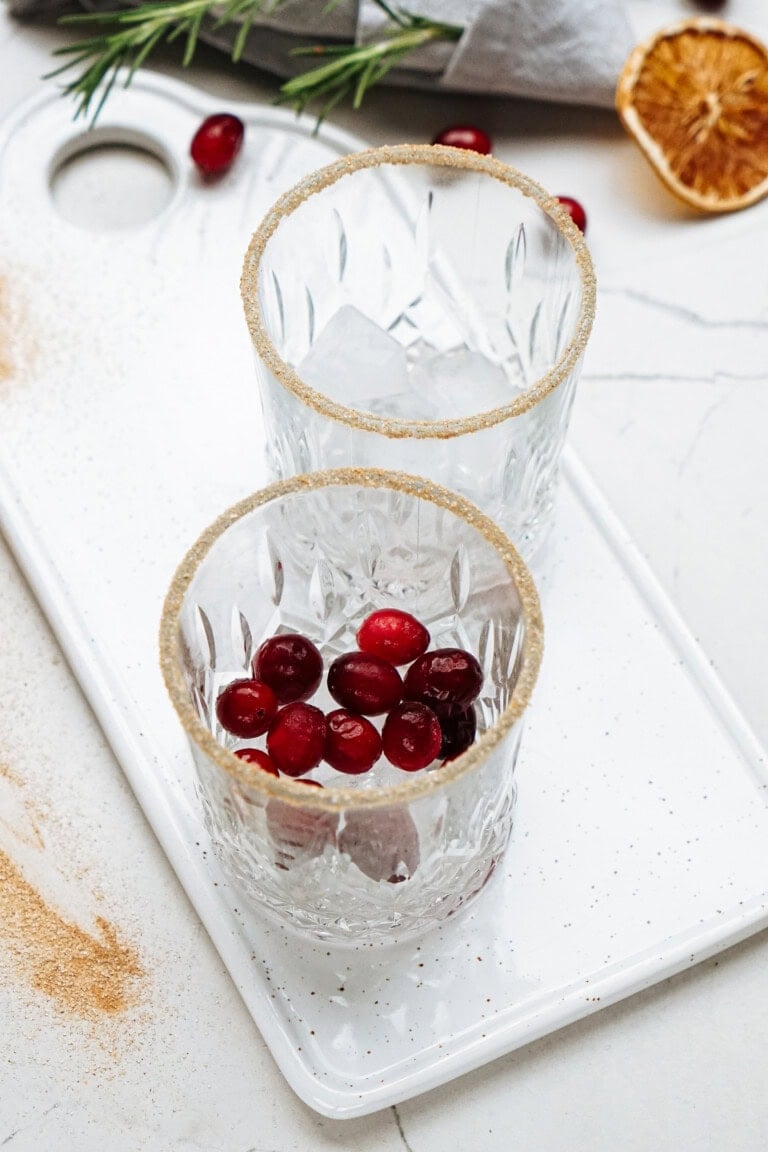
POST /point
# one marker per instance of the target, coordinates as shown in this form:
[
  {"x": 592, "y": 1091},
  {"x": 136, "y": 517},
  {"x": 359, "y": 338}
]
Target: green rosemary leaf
[
  {"x": 106, "y": 89},
  {"x": 363, "y": 83},
  {"x": 315, "y": 79},
  {"x": 141, "y": 56},
  {"x": 239, "y": 46},
  {"x": 192, "y": 34}
]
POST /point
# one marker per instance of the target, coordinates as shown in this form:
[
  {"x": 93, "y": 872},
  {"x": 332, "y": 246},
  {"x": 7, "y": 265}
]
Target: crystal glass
[
  {"x": 426, "y": 309},
  {"x": 388, "y": 853}
]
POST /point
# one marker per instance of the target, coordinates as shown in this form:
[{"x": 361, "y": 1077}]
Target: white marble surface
[{"x": 668, "y": 420}]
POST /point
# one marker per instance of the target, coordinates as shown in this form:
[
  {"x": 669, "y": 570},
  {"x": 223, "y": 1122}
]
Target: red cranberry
[
  {"x": 393, "y": 635},
  {"x": 364, "y": 683},
  {"x": 258, "y": 759},
  {"x": 447, "y": 679},
  {"x": 291, "y": 665},
  {"x": 459, "y": 730},
  {"x": 216, "y": 143},
  {"x": 246, "y": 708},
  {"x": 575, "y": 211},
  {"x": 294, "y": 828},
  {"x": 465, "y": 136},
  {"x": 411, "y": 737},
  {"x": 352, "y": 744},
  {"x": 296, "y": 739},
  {"x": 382, "y": 842}
]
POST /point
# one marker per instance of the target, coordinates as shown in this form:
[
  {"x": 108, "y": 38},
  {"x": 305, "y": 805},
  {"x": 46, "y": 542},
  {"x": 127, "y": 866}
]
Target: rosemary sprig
[
  {"x": 135, "y": 33},
  {"x": 132, "y": 34},
  {"x": 353, "y": 69}
]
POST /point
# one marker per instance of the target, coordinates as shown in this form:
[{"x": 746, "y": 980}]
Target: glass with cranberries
[{"x": 351, "y": 655}]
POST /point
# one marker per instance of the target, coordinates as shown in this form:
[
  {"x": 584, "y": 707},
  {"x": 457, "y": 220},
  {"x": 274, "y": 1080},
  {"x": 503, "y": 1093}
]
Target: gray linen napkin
[{"x": 564, "y": 50}]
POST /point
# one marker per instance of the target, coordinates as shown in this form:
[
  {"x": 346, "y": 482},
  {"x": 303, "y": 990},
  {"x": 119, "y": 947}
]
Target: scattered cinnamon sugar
[
  {"x": 18, "y": 343},
  {"x": 28, "y": 829},
  {"x": 88, "y": 976},
  {"x": 8, "y": 774},
  {"x": 6, "y": 357}
]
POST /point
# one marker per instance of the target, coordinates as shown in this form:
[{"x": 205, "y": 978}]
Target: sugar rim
[
  {"x": 434, "y": 155},
  {"x": 335, "y": 798}
]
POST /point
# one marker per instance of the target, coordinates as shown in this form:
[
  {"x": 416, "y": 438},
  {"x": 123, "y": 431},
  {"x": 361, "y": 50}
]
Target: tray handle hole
[{"x": 111, "y": 178}]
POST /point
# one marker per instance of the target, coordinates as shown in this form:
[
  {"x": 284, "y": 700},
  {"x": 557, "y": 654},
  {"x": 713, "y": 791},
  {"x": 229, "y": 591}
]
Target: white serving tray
[{"x": 130, "y": 422}]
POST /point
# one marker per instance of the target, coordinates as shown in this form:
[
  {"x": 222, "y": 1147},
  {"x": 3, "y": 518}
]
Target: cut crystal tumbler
[
  {"x": 425, "y": 309},
  {"x": 387, "y": 853}
]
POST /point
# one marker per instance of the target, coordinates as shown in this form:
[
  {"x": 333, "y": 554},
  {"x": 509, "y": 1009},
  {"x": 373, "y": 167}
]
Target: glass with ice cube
[{"x": 425, "y": 309}]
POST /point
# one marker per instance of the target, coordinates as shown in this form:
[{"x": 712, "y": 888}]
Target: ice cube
[
  {"x": 460, "y": 383},
  {"x": 356, "y": 363}
]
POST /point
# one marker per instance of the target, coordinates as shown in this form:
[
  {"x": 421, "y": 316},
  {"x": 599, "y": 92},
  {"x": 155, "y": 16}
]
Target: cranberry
[
  {"x": 465, "y": 136},
  {"x": 258, "y": 758},
  {"x": 458, "y": 731},
  {"x": 246, "y": 708},
  {"x": 291, "y": 665},
  {"x": 393, "y": 635},
  {"x": 382, "y": 842},
  {"x": 216, "y": 143},
  {"x": 297, "y": 738},
  {"x": 575, "y": 211},
  {"x": 292, "y": 827},
  {"x": 411, "y": 737},
  {"x": 447, "y": 679},
  {"x": 352, "y": 744},
  {"x": 364, "y": 683}
]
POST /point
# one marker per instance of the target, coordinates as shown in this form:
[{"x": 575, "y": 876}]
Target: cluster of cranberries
[{"x": 428, "y": 709}]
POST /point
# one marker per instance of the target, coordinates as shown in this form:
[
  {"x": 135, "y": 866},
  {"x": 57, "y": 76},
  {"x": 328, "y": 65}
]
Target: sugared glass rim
[
  {"x": 334, "y": 798},
  {"x": 431, "y": 155}
]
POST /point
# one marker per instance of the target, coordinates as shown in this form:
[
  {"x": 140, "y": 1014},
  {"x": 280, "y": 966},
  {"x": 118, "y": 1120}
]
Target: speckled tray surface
[{"x": 129, "y": 420}]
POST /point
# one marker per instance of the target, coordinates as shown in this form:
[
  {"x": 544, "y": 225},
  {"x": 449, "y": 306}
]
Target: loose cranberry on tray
[
  {"x": 465, "y": 136},
  {"x": 574, "y": 210},
  {"x": 216, "y": 143}
]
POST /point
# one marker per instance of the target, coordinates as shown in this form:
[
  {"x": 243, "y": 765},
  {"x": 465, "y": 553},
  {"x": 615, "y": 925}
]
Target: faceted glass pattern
[
  {"x": 407, "y": 293},
  {"x": 394, "y": 854}
]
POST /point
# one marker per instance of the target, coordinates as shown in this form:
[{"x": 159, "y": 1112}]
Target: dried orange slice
[{"x": 695, "y": 99}]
